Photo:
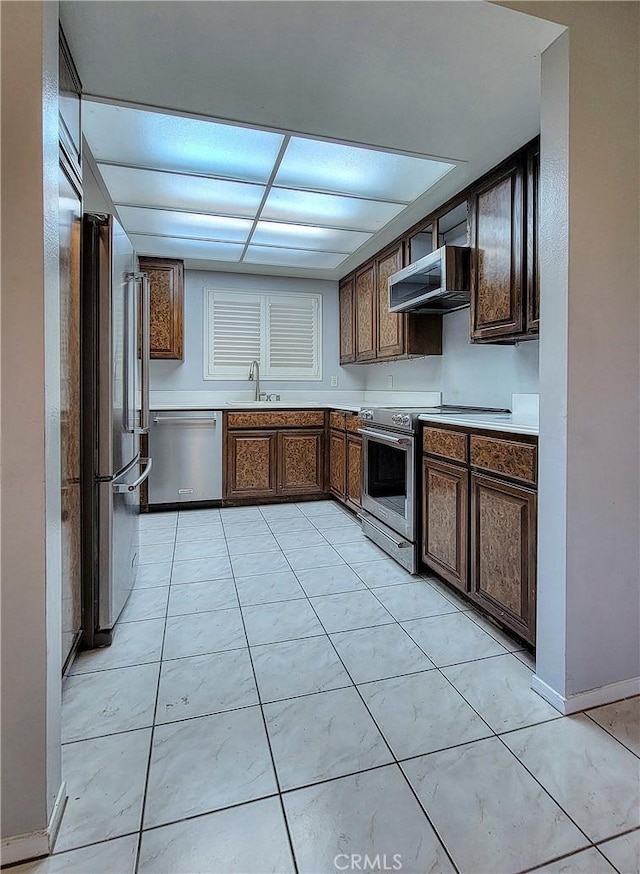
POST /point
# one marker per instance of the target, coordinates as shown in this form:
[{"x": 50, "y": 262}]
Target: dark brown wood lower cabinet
[
  {"x": 251, "y": 458},
  {"x": 353, "y": 469},
  {"x": 300, "y": 462},
  {"x": 337, "y": 463},
  {"x": 503, "y": 550},
  {"x": 444, "y": 514}
]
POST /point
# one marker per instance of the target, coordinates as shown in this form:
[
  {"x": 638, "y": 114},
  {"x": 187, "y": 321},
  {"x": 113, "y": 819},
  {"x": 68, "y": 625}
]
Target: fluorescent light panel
[
  {"x": 136, "y": 187},
  {"x": 171, "y": 142},
  {"x": 293, "y": 257},
  {"x": 342, "y": 169},
  {"x": 200, "y": 189},
  {"x": 171, "y": 247},
  {"x": 308, "y": 237},
  {"x": 184, "y": 224},
  {"x": 330, "y": 210}
]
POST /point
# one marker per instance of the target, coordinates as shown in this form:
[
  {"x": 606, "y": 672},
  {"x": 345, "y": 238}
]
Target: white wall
[
  {"x": 187, "y": 375},
  {"x": 30, "y": 423},
  {"x": 589, "y": 511},
  {"x": 465, "y": 373}
]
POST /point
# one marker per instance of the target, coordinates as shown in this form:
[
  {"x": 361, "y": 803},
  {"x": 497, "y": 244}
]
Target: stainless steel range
[
  {"x": 389, "y": 481},
  {"x": 389, "y": 477}
]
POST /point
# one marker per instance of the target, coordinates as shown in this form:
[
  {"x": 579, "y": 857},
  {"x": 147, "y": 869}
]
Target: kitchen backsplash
[{"x": 464, "y": 374}]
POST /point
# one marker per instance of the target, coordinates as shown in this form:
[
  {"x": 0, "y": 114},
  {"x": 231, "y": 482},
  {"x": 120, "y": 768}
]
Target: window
[{"x": 282, "y": 331}]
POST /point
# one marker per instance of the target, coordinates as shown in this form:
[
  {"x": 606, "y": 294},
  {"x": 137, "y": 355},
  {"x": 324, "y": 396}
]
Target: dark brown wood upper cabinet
[
  {"x": 390, "y": 333},
  {"x": 166, "y": 277},
  {"x": 498, "y": 255},
  {"x": 365, "y": 311},
  {"x": 346, "y": 293},
  {"x": 533, "y": 276}
]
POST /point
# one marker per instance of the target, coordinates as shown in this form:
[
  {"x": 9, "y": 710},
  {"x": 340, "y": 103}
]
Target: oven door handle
[{"x": 385, "y": 438}]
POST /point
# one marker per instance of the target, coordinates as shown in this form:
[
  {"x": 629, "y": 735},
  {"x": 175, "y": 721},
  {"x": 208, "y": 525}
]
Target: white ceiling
[{"x": 457, "y": 80}]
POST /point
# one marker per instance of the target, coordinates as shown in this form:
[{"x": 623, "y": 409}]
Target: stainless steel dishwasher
[{"x": 186, "y": 447}]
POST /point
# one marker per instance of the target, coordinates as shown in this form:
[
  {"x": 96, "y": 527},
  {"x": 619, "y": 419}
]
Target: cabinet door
[
  {"x": 347, "y": 321},
  {"x": 503, "y": 550},
  {"x": 300, "y": 461},
  {"x": 366, "y": 314},
  {"x": 337, "y": 463},
  {"x": 445, "y": 491},
  {"x": 166, "y": 277},
  {"x": 251, "y": 464},
  {"x": 498, "y": 257},
  {"x": 354, "y": 468},
  {"x": 390, "y": 339},
  {"x": 533, "y": 276}
]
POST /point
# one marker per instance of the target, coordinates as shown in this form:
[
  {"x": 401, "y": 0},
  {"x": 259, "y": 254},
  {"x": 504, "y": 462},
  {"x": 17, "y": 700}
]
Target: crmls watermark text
[{"x": 358, "y": 862}]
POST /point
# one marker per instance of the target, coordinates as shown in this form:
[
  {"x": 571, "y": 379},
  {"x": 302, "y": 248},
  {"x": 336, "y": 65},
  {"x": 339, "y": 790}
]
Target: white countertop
[
  {"x": 492, "y": 422},
  {"x": 261, "y": 405}
]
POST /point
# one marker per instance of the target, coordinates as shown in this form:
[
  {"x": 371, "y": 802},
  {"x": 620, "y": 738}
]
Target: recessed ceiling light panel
[
  {"x": 184, "y": 224},
  {"x": 332, "y": 167},
  {"x": 137, "y": 137},
  {"x": 168, "y": 247},
  {"x": 293, "y": 258},
  {"x": 330, "y": 210},
  {"x": 175, "y": 191},
  {"x": 308, "y": 237}
]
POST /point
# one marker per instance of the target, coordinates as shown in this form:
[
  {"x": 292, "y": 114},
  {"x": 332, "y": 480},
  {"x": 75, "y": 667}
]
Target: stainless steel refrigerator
[{"x": 115, "y": 412}]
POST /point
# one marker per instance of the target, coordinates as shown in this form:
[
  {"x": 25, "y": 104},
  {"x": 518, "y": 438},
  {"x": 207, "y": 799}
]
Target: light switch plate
[
  {"x": 334, "y": 381},
  {"x": 390, "y": 381}
]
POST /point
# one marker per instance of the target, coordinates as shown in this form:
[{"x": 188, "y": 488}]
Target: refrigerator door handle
[
  {"x": 145, "y": 357},
  {"x": 131, "y": 487}
]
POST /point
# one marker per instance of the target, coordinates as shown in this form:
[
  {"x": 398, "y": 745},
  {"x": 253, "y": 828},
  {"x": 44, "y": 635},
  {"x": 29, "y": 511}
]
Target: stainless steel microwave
[{"x": 437, "y": 283}]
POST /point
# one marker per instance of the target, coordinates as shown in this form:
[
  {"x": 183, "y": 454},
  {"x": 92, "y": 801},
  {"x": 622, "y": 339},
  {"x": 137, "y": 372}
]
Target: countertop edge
[{"x": 509, "y": 427}]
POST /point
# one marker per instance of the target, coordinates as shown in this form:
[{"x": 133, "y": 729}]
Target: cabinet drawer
[
  {"x": 268, "y": 419},
  {"x": 506, "y": 457},
  {"x": 353, "y": 423},
  {"x": 448, "y": 444},
  {"x": 337, "y": 420}
]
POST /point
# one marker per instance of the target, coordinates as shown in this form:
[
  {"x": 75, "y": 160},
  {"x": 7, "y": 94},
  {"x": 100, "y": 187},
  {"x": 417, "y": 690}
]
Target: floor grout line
[
  {"x": 249, "y": 647},
  {"x": 268, "y": 738}
]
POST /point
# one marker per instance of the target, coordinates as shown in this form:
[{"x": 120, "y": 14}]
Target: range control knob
[
  {"x": 367, "y": 415},
  {"x": 396, "y": 419},
  {"x": 405, "y": 420}
]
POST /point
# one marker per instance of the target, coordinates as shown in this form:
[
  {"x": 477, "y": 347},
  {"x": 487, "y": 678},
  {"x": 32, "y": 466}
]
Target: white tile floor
[{"x": 280, "y": 695}]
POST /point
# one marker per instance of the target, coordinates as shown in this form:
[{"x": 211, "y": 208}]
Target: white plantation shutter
[
  {"x": 293, "y": 337},
  {"x": 280, "y": 331},
  {"x": 234, "y": 334}
]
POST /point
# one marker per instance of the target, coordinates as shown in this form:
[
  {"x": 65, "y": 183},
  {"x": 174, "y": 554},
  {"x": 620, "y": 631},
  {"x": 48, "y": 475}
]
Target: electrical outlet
[
  {"x": 334, "y": 381},
  {"x": 390, "y": 381}
]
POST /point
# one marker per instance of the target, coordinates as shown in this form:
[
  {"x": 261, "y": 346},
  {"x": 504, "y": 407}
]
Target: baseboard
[
  {"x": 585, "y": 700},
  {"x": 35, "y": 845}
]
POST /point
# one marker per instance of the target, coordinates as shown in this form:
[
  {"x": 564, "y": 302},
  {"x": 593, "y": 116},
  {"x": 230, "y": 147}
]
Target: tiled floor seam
[
  {"x": 604, "y": 728},
  {"x": 153, "y": 728},
  {"x": 564, "y": 857},
  {"x": 264, "y": 722},
  {"x": 395, "y": 760}
]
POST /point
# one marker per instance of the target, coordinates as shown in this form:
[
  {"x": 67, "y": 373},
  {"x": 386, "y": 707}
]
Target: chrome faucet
[{"x": 254, "y": 374}]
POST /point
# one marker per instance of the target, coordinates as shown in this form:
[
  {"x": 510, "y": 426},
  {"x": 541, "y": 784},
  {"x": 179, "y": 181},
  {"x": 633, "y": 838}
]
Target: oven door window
[{"x": 387, "y": 477}]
